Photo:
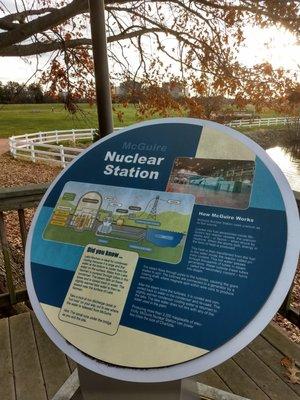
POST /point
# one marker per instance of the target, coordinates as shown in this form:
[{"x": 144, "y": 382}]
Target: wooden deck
[{"x": 33, "y": 368}]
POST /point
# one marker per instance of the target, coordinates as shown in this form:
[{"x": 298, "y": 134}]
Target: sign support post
[
  {"x": 111, "y": 389},
  {"x": 103, "y": 95},
  {"x": 94, "y": 385}
]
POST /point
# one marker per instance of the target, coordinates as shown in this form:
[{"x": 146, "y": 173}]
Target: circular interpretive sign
[{"x": 162, "y": 250}]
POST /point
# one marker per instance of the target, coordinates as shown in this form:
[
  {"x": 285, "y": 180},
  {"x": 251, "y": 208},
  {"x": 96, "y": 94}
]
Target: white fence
[
  {"x": 262, "y": 121},
  {"x": 40, "y": 146},
  {"x": 45, "y": 146}
]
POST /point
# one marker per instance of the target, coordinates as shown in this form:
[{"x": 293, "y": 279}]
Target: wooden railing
[
  {"x": 287, "y": 310},
  {"x": 19, "y": 199},
  {"x": 16, "y": 199}
]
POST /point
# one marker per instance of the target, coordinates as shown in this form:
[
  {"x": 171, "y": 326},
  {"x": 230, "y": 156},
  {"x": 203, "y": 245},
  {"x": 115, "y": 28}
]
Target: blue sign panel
[{"x": 163, "y": 245}]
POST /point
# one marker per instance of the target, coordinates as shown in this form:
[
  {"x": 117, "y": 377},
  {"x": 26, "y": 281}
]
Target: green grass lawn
[{"x": 17, "y": 119}]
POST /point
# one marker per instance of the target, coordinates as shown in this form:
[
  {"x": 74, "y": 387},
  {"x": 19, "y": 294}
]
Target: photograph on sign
[
  {"x": 223, "y": 183},
  {"x": 151, "y": 251}
]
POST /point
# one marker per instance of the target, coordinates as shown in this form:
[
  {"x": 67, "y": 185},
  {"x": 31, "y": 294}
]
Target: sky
[
  {"x": 275, "y": 46},
  {"x": 272, "y": 45}
]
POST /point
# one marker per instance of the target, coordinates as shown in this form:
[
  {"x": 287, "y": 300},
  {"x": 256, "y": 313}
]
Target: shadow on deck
[{"x": 33, "y": 368}]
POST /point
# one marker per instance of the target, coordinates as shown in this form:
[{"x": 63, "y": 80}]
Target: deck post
[
  {"x": 6, "y": 258},
  {"x": 22, "y": 225}
]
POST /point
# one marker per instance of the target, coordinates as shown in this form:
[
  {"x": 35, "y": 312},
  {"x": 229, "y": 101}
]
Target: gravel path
[{"x": 4, "y": 146}]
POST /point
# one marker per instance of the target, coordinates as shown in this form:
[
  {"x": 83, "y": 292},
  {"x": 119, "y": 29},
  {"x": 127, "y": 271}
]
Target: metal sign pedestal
[
  {"x": 98, "y": 387},
  {"x": 86, "y": 385}
]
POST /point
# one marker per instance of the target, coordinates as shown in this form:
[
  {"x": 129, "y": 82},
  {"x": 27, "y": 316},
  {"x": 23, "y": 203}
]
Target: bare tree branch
[
  {"x": 45, "y": 22},
  {"x": 17, "y": 33},
  {"x": 7, "y": 26},
  {"x": 20, "y": 16},
  {"x": 44, "y": 47}
]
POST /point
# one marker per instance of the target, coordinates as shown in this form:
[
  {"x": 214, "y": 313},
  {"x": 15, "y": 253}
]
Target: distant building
[
  {"x": 120, "y": 90},
  {"x": 175, "y": 89},
  {"x": 129, "y": 89}
]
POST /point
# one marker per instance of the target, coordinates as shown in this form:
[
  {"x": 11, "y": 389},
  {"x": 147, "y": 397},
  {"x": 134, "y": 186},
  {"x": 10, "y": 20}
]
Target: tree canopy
[{"x": 202, "y": 37}]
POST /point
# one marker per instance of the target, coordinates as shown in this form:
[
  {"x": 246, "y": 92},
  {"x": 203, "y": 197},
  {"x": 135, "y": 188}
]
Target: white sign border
[{"x": 231, "y": 347}]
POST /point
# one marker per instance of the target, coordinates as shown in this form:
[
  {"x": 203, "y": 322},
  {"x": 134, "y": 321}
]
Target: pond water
[{"x": 288, "y": 159}]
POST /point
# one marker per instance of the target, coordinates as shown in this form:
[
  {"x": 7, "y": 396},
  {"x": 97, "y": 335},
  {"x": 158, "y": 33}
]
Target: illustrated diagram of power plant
[{"x": 143, "y": 220}]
